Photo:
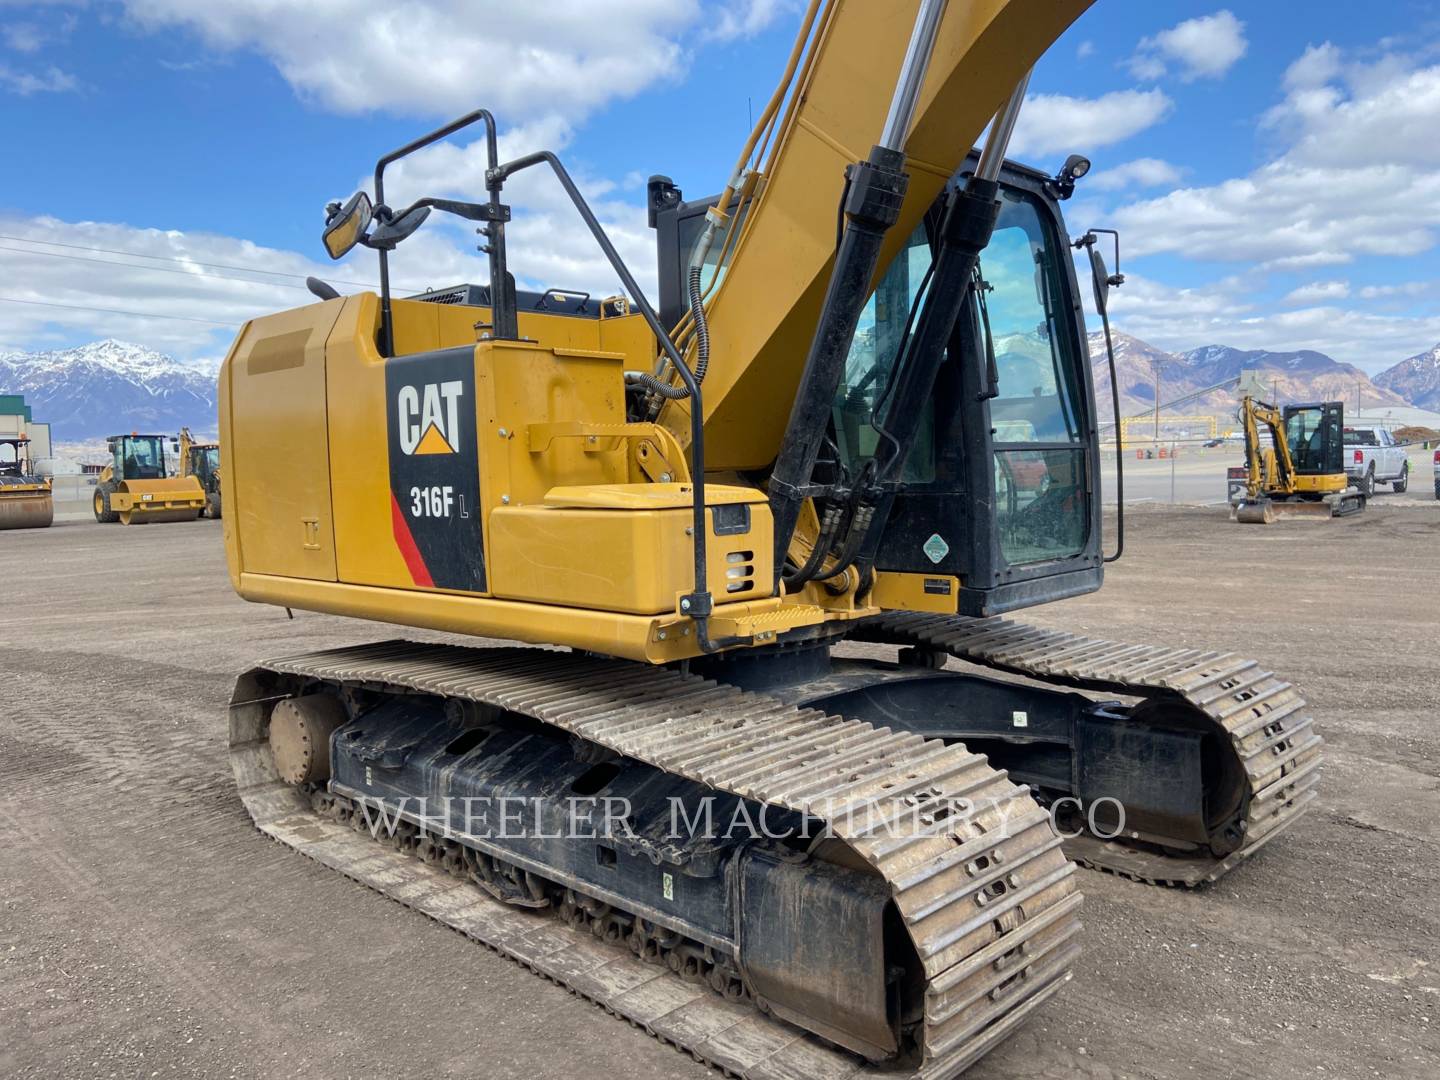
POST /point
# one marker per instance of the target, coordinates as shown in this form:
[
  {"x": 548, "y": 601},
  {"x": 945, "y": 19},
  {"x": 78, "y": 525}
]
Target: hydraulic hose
[
  {"x": 702, "y": 327},
  {"x": 823, "y": 539},
  {"x": 701, "y": 331}
]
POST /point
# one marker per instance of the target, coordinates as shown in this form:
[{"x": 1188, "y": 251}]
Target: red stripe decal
[{"x": 419, "y": 572}]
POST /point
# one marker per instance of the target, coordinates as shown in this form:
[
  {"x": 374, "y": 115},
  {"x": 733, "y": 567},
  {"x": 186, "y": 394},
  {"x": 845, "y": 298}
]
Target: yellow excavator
[
  {"x": 202, "y": 461},
  {"x": 1301, "y": 471},
  {"x": 861, "y": 412},
  {"x": 25, "y": 498},
  {"x": 143, "y": 484}
]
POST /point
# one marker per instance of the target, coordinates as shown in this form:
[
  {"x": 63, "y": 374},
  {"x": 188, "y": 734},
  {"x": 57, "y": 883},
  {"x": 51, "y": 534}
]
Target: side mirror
[
  {"x": 1100, "y": 278},
  {"x": 345, "y": 227},
  {"x": 1100, "y": 275}
]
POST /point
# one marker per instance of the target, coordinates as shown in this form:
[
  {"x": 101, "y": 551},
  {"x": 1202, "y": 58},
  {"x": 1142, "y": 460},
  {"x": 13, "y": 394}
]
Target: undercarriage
[{"x": 811, "y": 864}]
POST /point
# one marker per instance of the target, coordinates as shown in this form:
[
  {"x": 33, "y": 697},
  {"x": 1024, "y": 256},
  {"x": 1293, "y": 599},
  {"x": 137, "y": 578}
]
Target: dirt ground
[{"x": 147, "y": 930}]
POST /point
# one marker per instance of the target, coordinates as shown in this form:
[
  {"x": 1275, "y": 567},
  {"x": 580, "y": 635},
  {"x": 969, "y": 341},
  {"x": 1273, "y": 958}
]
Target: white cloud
[
  {"x": 1226, "y": 311},
  {"x": 50, "y": 81},
  {"x": 1140, "y": 173},
  {"x": 1204, "y": 48},
  {"x": 1357, "y": 173},
  {"x": 743, "y": 19},
  {"x": 445, "y": 57},
  {"x": 184, "y": 307},
  {"x": 24, "y": 37},
  {"x": 1223, "y": 311},
  {"x": 1317, "y": 65},
  {"x": 1385, "y": 111},
  {"x": 1318, "y": 291},
  {"x": 1142, "y": 299},
  {"x": 1407, "y": 288},
  {"x": 194, "y": 291},
  {"x": 1055, "y": 123},
  {"x": 1085, "y": 50}
]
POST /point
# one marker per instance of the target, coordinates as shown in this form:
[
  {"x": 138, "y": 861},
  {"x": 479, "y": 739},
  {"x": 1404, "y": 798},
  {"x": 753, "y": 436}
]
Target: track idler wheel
[{"x": 300, "y": 729}]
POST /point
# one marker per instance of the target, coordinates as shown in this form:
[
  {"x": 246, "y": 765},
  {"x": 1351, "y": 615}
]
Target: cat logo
[{"x": 429, "y": 417}]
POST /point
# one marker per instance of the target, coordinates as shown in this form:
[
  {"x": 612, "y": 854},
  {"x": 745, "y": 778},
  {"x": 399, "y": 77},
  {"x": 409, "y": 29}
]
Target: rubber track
[
  {"x": 1278, "y": 747},
  {"x": 989, "y": 898}
]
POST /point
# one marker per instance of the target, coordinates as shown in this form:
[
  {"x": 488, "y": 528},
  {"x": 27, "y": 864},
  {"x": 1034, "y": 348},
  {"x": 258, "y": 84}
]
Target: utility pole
[{"x": 1155, "y": 363}]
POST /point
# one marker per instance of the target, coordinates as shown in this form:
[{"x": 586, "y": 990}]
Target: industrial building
[{"x": 15, "y": 419}]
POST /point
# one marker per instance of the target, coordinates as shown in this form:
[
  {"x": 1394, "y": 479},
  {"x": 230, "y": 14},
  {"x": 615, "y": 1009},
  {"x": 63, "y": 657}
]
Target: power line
[
  {"x": 174, "y": 258},
  {"x": 116, "y": 311},
  {"x": 155, "y": 269}
]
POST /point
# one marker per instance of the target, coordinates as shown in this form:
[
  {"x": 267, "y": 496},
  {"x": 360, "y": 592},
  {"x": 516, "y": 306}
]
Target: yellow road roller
[
  {"x": 138, "y": 486},
  {"x": 25, "y": 499}
]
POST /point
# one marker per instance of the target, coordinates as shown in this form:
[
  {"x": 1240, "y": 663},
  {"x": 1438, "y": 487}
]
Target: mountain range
[
  {"x": 110, "y": 386},
  {"x": 1303, "y": 375},
  {"x": 1416, "y": 379}
]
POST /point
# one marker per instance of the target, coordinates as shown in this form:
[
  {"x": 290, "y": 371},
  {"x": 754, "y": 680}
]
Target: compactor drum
[
  {"x": 26, "y": 501},
  {"x": 786, "y": 858},
  {"x": 138, "y": 486}
]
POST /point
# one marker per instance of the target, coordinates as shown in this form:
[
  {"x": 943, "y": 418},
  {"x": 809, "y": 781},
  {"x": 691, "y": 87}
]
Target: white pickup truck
[{"x": 1372, "y": 456}]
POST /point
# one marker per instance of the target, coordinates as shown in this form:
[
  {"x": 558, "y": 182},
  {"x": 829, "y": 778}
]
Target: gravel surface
[{"x": 147, "y": 930}]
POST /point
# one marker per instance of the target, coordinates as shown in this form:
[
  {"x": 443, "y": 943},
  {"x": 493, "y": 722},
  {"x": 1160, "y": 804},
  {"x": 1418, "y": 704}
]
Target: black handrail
[
  {"x": 502, "y": 318},
  {"x": 699, "y": 604}
]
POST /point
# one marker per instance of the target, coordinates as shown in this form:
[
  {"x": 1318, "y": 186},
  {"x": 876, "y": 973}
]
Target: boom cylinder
[{"x": 874, "y": 194}]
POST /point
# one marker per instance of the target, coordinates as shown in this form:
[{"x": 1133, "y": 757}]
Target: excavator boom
[{"x": 762, "y": 321}]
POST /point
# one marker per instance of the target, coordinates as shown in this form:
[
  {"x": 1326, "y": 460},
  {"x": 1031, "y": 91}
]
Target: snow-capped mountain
[
  {"x": 1135, "y": 363},
  {"x": 108, "y": 387},
  {"x": 1416, "y": 379},
  {"x": 1303, "y": 375}
]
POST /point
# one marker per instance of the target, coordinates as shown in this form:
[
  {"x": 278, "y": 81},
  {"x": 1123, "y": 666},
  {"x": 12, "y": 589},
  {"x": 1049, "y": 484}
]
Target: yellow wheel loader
[
  {"x": 202, "y": 461},
  {"x": 139, "y": 485},
  {"x": 1301, "y": 471},
  {"x": 25, "y": 499},
  {"x": 861, "y": 412}
]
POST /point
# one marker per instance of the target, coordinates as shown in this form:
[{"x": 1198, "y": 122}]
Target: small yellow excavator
[
  {"x": 25, "y": 499},
  {"x": 1302, "y": 471},
  {"x": 202, "y": 461},
  {"x": 138, "y": 486}
]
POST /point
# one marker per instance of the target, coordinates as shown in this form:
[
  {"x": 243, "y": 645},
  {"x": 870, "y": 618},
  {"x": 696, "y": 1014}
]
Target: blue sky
[{"x": 1276, "y": 181}]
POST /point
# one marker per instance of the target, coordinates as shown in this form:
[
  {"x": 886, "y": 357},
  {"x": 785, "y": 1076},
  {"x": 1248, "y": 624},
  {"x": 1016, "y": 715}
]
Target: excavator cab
[
  {"x": 1011, "y": 420},
  {"x": 1315, "y": 433}
]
